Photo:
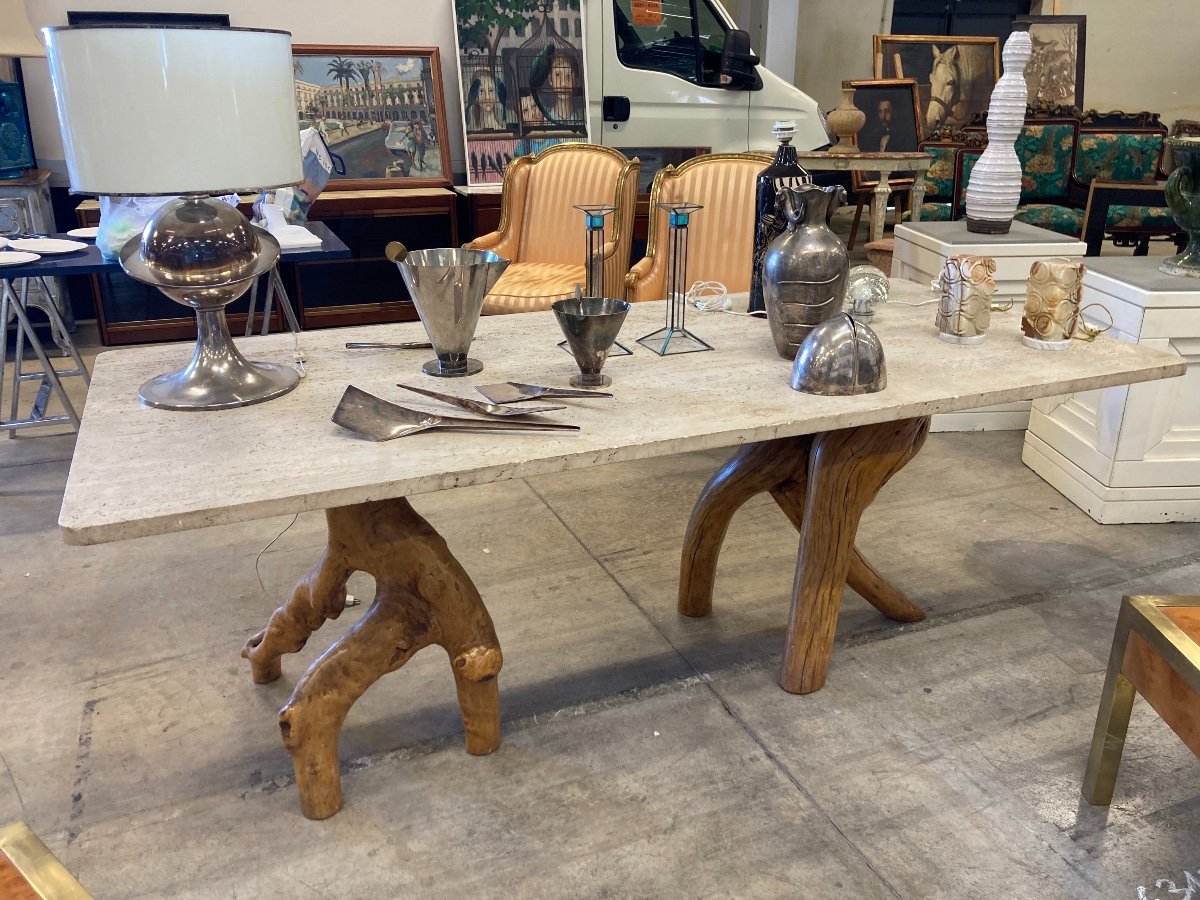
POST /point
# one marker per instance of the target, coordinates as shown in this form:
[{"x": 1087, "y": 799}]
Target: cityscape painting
[{"x": 380, "y": 109}]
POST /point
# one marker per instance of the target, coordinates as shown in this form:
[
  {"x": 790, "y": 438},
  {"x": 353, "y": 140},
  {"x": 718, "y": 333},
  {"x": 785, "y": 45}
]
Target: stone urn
[
  {"x": 1183, "y": 197},
  {"x": 846, "y": 121},
  {"x": 805, "y": 268}
]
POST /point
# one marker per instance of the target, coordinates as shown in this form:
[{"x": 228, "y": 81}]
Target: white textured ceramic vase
[{"x": 995, "y": 186}]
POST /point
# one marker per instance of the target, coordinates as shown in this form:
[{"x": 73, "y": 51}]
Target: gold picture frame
[
  {"x": 892, "y": 129},
  {"x": 954, "y": 74}
]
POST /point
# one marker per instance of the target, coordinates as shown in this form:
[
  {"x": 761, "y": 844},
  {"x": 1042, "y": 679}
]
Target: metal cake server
[
  {"x": 478, "y": 406},
  {"x": 375, "y": 418},
  {"x": 367, "y": 345},
  {"x": 514, "y": 392}
]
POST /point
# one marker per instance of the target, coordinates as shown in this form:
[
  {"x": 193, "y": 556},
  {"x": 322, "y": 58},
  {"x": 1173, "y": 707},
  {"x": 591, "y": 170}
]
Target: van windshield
[{"x": 684, "y": 38}]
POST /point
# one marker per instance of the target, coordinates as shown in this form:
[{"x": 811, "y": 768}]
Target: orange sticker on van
[{"x": 647, "y": 12}]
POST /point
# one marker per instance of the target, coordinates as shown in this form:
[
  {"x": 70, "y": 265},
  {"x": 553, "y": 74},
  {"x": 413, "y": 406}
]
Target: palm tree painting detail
[{"x": 378, "y": 108}]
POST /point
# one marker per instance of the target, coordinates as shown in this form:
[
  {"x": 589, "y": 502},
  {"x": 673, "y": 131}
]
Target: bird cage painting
[
  {"x": 487, "y": 94},
  {"x": 550, "y": 75},
  {"x": 523, "y": 80}
]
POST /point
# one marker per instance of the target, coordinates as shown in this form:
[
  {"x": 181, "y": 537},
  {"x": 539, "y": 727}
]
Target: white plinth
[
  {"x": 1129, "y": 454},
  {"x": 922, "y": 249}
]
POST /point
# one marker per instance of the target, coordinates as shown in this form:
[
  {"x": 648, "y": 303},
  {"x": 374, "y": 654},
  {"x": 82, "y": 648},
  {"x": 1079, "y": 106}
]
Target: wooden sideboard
[{"x": 363, "y": 290}]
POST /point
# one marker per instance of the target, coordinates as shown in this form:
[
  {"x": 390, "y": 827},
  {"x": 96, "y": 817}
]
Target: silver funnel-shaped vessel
[
  {"x": 448, "y": 286},
  {"x": 591, "y": 325}
]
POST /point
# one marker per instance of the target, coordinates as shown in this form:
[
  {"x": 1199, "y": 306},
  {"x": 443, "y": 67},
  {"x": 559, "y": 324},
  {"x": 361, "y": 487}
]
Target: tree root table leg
[
  {"x": 823, "y": 483},
  {"x": 423, "y": 596}
]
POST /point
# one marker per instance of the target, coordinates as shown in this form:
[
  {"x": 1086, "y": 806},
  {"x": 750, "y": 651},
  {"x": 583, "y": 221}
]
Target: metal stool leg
[
  {"x": 285, "y": 303},
  {"x": 5, "y": 291},
  {"x": 56, "y": 320},
  {"x": 50, "y": 379},
  {"x": 253, "y": 306},
  {"x": 268, "y": 299},
  {"x": 19, "y": 309}
]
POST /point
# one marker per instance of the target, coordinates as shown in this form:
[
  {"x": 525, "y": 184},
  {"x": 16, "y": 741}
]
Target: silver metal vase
[
  {"x": 448, "y": 286},
  {"x": 805, "y": 268}
]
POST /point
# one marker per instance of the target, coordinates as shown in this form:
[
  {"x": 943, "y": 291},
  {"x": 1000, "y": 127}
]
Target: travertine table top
[{"x": 140, "y": 471}]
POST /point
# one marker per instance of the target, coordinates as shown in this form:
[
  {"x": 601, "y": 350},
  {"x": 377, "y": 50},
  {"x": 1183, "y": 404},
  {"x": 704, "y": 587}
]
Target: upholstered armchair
[
  {"x": 720, "y": 236},
  {"x": 543, "y": 234}
]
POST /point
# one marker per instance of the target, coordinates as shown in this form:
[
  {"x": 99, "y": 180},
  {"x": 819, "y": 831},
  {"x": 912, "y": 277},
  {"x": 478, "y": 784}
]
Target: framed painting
[
  {"x": 1054, "y": 74},
  {"x": 893, "y": 121},
  {"x": 380, "y": 109},
  {"x": 954, "y": 74},
  {"x": 522, "y": 76}
]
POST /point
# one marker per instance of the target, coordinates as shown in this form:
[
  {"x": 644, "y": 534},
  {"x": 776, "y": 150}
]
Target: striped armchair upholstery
[
  {"x": 543, "y": 234},
  {"x": 720, "y": 236}
]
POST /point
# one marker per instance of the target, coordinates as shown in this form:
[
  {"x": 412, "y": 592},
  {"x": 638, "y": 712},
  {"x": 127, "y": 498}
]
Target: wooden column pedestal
[
  {"x": 423, "y": 596},
  {"x": 822, "y": 482}
]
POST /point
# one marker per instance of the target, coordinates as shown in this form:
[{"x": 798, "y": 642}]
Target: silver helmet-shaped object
[{"x": 840, "y": 357}]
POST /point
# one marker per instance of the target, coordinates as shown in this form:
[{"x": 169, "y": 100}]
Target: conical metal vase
[
  {"x": 448, "y": 286},
  {"x": 591, "y": 326}
]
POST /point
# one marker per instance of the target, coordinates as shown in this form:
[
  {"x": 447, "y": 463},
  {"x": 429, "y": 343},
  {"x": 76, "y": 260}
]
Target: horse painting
[{"x": 960, "y": 84}]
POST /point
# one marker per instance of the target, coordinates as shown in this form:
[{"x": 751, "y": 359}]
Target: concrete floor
[{"x": 645, "y": 754}]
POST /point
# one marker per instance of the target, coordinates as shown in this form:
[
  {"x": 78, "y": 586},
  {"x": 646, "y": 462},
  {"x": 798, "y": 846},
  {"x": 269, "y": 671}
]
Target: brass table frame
[{"x": 1141, "y": 624}]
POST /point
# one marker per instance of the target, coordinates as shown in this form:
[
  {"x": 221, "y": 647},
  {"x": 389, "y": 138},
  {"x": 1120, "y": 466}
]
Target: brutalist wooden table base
[
  {"x": 423, "y": 596},
  {"x": 823, "y": 483}
]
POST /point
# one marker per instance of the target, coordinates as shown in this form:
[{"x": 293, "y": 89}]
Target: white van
[{"x": 678, "y": 73}]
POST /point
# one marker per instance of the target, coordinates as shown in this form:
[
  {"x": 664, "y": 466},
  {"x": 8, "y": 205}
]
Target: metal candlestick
[
  {"x": 674, "y": 337},
  {"x": 594, "y": 286},
  {"x": 593, "y": 219}
]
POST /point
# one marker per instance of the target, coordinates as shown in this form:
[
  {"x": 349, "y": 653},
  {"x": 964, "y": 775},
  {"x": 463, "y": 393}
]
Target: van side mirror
[{"x": 738, "y": 65}]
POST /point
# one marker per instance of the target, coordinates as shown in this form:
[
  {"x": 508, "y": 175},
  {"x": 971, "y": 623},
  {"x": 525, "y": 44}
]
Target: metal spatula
[
  {"x": 478, "y": 406},
  {"x": 514, "y": 392},
  {"x": 374, "y": 418}
]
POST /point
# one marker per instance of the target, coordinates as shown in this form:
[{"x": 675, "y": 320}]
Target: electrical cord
[
  {"x": 257, "y": 574},
  {"x": 712, "y": 296},
  {"x": 708, "y": 295}
]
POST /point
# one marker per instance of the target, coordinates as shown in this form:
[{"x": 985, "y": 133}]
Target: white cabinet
[{"x": 1129, "y": 454}]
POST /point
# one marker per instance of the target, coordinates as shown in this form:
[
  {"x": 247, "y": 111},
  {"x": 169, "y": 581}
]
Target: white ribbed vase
[{"x": 994, "y": 190}]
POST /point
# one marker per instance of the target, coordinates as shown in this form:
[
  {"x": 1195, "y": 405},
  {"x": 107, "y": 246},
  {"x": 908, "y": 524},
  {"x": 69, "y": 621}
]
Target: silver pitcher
[
  {"x": 447, "y": 287},
  {"x": 805, "y": 268}
]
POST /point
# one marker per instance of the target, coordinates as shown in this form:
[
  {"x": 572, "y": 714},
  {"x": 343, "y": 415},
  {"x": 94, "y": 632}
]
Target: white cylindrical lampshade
[
  {"x": 17, "y": 37},
  {"x": 175, "y": 110}
]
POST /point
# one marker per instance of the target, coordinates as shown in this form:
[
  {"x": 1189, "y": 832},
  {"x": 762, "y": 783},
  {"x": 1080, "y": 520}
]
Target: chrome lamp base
[
  {"x": 204, "y": 254},
  {"x": 218, "y": 377}
]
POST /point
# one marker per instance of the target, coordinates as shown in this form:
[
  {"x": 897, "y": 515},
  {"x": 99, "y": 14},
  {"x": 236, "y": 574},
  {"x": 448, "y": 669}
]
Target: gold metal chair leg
[{"x": 1108, "y": 741}]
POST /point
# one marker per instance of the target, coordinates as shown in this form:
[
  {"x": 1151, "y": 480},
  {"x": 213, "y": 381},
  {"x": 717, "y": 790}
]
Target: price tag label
[{"x": 647, "y": 12}]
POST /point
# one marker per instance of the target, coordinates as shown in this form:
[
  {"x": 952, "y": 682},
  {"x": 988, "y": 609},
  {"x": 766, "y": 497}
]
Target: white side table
[
  {"x": 922, "y": 249},
  {"x": 33, "y": 189},
  {"x": 1129, "y": 454}
]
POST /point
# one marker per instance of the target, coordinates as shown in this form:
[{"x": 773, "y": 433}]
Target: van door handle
[{"x": 616, "y": 109}]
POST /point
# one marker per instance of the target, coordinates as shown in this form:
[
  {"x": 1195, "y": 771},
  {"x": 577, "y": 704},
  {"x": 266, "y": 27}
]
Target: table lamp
[
  {"x": 198, "y": 113},
  {"x": 17, "y": 39}
]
